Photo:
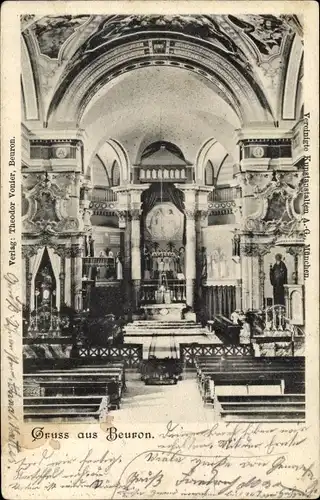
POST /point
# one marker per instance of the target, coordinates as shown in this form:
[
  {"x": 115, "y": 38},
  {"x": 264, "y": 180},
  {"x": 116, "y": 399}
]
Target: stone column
[
  {"x": 190, "y": 255},
  {"x": 135, "y": 212},
  {"x": 201, "y": 223},
  {"x": 135, "y": 257},
  {"x": 298, "y": 253},
  {"x": 76, "y": 275},
  {"x": 123, "y": 213},
  {"x": 246, "y": 274}
]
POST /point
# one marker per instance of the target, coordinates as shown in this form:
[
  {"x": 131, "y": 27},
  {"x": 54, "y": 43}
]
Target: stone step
[
  {"x": 164, "y": 327},
  {"x": 161, "y": 325},
  {"x": 163, "y": 333}
]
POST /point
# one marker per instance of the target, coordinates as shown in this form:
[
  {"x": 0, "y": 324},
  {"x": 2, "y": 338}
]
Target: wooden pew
[
  {"x": 287, "y": 407},
  {"x": 67, "y": 407},
  {"x": 81, "y": 381},
  {"x": 248, "y": 372}
]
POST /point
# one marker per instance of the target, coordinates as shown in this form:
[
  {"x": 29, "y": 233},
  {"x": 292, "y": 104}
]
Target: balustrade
[
  {"x": 271, "y": 322},
  {"x": 103, "y": 195},
  {"x": 225, "y": 194}
]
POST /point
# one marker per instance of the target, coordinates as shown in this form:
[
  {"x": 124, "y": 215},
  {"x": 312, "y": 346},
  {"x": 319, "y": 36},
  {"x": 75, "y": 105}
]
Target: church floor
[{"x": 162, "y": 403}]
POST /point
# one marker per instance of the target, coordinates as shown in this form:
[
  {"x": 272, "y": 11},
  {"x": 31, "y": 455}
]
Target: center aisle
[{"x": 161, "y": 403}]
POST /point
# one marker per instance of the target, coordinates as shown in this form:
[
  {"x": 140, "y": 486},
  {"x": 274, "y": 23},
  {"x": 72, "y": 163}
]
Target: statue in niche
[{"x": 278, "y": 278}]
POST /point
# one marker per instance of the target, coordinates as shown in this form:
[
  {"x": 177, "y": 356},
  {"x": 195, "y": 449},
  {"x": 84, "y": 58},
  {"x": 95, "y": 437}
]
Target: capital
[
  {"x": 135, "y": 214},
  {"x": 190, "y": 213},
  {"x": 122, "y": 217}
]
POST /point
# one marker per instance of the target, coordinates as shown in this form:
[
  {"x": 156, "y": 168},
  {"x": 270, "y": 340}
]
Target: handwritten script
[
  {"x": 12, "y": 334},
  {"x": 224, "y": 461}
]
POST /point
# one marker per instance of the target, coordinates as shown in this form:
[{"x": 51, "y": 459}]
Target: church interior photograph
[{"x": 164, "y": 190}]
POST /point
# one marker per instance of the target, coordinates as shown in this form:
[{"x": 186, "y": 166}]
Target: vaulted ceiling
[{"x": 141, "y": 79}]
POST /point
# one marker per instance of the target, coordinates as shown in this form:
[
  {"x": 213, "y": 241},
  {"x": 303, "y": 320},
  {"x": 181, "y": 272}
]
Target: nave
[
  {"x": 162, "y": 217},
  {"x": 160, "y": 404}
]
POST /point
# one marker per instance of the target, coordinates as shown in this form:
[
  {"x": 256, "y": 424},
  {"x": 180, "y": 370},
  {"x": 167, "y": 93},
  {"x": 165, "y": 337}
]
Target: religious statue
[
  {"x": 146, "y": 263},
  {"x": 204, "y": 272},
  {"x": 87, "y": 250},
  {"x": 91, "y": 246},
  {"x": 236, "y": 244},
  {"x": 119, "y": 266},
  {"x": 181, "y": 261},
  {"x": 278, "y": 278}
]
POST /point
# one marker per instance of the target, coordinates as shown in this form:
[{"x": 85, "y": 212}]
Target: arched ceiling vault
[
  {"x": 159, "y": 104},
  {"x": 139, "y": 79}
]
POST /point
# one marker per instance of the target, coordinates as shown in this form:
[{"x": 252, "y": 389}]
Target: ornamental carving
[
  {"x": 203, "y": 217},
  {"x": 28, "y": 251},
  {"x": 135, "y": 213},
  {"x": 190, "y": 213},
  {"x": 46, "y": 210},
  {"x": 253, "y": 249},
  {"x": 277, "y": 207},
  {"x": 123, "y": 217},
  {"x": 296, "y": 250}
]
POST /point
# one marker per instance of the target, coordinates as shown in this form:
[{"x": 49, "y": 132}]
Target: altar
[
  {"x": 163, "y": 261},
  {"x": 163, "y": 312}
]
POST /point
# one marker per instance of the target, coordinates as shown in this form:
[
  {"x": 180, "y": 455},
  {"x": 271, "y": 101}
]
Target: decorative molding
[{"x": 254, "y": 249}]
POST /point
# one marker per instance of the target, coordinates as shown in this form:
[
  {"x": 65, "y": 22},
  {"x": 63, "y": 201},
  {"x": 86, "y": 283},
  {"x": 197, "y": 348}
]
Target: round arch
[
  {"x": 200, "y": 164},
  {"x": 291, "y": 82},
  {"x": 79, "y": 85},
  {"x": 121, "y": 157}
]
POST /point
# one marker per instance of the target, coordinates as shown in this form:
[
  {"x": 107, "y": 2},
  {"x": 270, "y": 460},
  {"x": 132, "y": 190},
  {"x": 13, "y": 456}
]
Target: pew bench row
[
  {"x": 78, "y": 392},
  {"x": 261, "y": 408},
  {"x": 260, "y": 380}
]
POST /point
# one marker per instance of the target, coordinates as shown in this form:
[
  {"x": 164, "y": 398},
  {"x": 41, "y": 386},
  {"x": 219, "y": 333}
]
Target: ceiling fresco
[
  {"x": 235, "y": 65},
  {"x": 203, "y": 27},
  {"x": 266, "y": 32},
  {"x": 52, "y": 32}
]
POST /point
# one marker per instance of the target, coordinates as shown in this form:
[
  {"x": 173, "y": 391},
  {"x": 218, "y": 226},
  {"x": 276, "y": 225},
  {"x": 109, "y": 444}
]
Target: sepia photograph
[
  {"x": 164, "y": 187},
  {"x": 159, "y": 269}
]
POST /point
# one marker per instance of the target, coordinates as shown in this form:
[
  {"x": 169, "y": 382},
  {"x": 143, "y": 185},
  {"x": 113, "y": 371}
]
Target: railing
[
  {"x": 189, "y": 352},
  {"x": 271, "y": 322},
  {"x": 130, "y": 354},
  {"x": 103, "y": 195},
  {"x": 225, "y": 194},
  {"x": 174, "y": 293}
]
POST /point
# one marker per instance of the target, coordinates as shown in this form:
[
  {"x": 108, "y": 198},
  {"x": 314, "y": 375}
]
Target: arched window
[
  {"x": 115, "y": 174},
  {"x": 209, "y": 174}
]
